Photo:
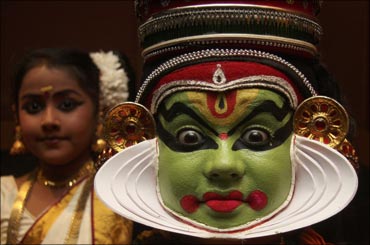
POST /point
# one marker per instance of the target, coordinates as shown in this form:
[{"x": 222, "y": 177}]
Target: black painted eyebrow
[
  {"x": 266, "y": 106},
  {"x": 180, "y": 108}
]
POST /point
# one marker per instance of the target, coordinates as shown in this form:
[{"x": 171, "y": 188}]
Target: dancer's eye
[
  {"x": 255, "y": 137},
  {"x": 190, "y": 137}
]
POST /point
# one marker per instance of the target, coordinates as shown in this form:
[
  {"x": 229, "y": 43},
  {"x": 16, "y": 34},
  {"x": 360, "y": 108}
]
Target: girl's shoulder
[
  {"x": 8, "y": 183},
  {"x": 9, "y": 191}
]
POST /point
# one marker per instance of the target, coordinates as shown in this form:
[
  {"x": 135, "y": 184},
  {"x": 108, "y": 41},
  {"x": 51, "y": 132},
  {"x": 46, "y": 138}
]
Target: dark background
[{"x": 111, "y": 25}]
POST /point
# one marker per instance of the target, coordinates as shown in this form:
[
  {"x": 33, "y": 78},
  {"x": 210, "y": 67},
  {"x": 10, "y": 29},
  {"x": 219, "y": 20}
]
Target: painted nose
[
  {"x": 224, "y": 166},
  {"x": 221, "y": 174},
  {"x": 50, "y": 120}
]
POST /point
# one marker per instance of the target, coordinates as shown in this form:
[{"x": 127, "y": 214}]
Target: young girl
[{"x": 58, "y": 109}]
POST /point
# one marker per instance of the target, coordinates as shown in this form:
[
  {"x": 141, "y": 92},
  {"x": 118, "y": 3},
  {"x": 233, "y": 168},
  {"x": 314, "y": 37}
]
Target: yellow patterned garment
[{"x": 99, "y": 224}]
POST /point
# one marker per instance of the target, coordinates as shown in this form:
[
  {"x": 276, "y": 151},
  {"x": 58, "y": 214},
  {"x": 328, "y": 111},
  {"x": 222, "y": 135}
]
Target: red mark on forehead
[
  {"x": 221, "y": 105},
  {"x": 223, "y": 136},
  {"x": 46, "y": 90}
]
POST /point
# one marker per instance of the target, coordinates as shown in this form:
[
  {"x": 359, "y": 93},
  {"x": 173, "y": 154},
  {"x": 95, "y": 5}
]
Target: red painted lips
[{"x": 257, "y": 200}]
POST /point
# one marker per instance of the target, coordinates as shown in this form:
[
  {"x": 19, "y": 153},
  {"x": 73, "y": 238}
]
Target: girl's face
[
  {"x": 224, "y": 158},
  {"x": 56, "y": 115}
]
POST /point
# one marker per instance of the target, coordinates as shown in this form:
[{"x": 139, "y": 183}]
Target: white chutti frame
[{"x": 325, "y": 183}]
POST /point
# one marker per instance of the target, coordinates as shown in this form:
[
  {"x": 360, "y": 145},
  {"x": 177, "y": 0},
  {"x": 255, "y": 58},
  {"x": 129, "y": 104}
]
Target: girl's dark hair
[{"x": 77, "y": 63}]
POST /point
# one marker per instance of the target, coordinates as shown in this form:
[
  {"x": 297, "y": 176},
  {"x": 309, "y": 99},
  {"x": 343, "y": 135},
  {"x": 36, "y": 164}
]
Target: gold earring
[
  {"x": 100, "y": 144},
  {"x": 18, "y": 147},
  {"x": 127, "y": 124},
  {"x": 103, "y": 157},
  {"x": 323, "y": 119}
]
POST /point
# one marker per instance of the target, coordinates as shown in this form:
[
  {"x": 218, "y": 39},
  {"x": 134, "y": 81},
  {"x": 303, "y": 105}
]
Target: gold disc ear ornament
[
  {"x": 127, "y": 124},
  {"x": 323, "y": 119}
]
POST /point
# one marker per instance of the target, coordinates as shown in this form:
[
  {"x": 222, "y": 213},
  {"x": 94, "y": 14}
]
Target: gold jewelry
[
  {"x": 100, "y": 143},
  {"x": 20, "y": 203},
  {"x": 323, "y": 119},
  {"x": 350, "y": 153},
  {"x": 127, "y": 124},
  {"x": 18, "y": 209},
  {"x": 75, "y": 225},
  {"x": 84, "y": 171},
  {"x": 18, "y": 146},
  {"x": 103, "y": 157}
]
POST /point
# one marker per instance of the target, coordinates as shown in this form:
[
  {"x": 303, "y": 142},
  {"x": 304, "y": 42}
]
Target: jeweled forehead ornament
[{"x": 232, "y": 68}]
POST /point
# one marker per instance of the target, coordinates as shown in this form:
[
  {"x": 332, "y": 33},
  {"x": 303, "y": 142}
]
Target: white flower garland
[{"x": 113, "y": 79}]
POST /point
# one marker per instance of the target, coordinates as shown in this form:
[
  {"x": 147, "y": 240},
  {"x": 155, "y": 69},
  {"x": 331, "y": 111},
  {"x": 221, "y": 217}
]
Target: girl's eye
[
  {"x": 33, "y": 107},
  {"x": 256, "y": 137},
  {"x": 68, "y": 105},
  {"x": 190, "y": 137}
]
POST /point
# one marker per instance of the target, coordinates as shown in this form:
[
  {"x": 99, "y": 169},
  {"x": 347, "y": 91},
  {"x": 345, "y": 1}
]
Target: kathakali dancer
[{"x": 236, "y": 133}]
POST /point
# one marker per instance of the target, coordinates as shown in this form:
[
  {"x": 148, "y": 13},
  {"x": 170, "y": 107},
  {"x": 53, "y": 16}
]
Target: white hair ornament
[{"x": 113, "y": 79}]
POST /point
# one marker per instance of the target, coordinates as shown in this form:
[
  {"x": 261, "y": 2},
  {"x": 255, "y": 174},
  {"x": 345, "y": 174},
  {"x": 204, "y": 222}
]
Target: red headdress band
[{"x": 236, "y": 69}]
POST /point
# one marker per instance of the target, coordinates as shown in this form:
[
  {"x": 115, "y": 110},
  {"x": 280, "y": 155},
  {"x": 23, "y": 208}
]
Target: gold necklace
[
  {"x": 23, "y": 194},
  {"x": 85, "y": 170}
]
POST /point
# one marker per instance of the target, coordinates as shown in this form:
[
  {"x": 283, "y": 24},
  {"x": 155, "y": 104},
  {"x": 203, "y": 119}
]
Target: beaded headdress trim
[
  {"x": 282, "y": 43},
  {"x": 271, "y": 82},
  {"x": 208, "y": 54}
]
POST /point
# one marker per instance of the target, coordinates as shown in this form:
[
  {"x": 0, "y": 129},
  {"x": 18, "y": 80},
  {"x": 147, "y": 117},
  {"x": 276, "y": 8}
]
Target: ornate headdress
[
  {"x": 177, "y": 26},
  {"x": 178, "y": 34}
]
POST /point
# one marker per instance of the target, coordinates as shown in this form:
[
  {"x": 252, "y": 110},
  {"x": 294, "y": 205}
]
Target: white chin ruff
[{"x": 325, "y": 184}]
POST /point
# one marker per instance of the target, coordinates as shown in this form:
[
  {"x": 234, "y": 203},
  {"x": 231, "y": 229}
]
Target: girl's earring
[
  {"x": 18, "y": 146},
  {"x": 100, "y": 144}
]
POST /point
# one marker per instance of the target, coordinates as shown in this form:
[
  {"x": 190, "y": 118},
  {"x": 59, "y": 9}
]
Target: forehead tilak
[
  {"x": 46, "y": 90},
  {"x": 221, "y": 108},
  {"x": 243, "y": 75}
]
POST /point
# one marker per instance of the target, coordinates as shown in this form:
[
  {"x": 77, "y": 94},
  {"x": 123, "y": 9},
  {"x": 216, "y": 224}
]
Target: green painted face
[{"x": 224, "y": 158}]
